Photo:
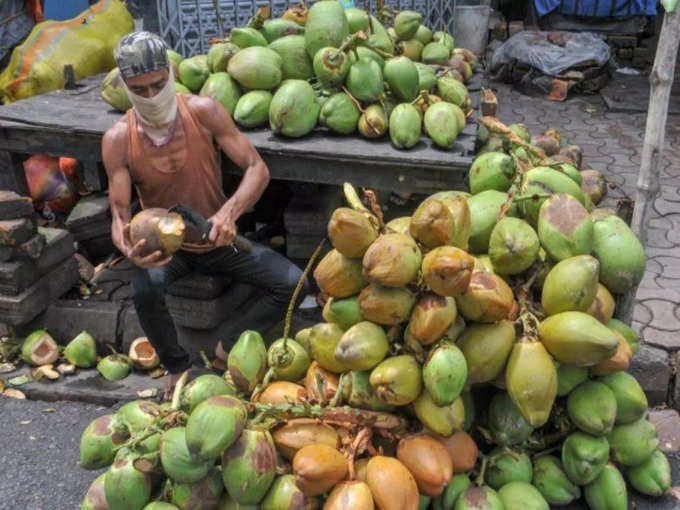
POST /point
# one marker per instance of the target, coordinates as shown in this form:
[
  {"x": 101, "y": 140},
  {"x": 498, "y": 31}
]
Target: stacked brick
[{"x": 36, "y": 264}]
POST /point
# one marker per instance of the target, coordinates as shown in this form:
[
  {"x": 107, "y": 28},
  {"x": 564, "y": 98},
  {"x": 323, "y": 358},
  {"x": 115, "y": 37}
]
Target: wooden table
[{"x": 72, "y": 122}]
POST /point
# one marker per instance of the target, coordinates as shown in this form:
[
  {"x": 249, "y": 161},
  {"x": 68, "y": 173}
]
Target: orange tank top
[{"x": 163, "y": 182}]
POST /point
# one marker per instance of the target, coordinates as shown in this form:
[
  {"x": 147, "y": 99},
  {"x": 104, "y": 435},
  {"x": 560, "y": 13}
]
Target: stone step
[
  {"x": 24, "y": 307},
  {"x": 29, "y": 250},
  {"x": 16, "y": 232},
  {"x": 14, "y": 206},
  {"x": 17, "y": 275},
  {"x": 90, "y": 218}
]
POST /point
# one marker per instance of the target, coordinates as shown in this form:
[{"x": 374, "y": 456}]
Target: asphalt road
[{"x": 39, "y": 457}]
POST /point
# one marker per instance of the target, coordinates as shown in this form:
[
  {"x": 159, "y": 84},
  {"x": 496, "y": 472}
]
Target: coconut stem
[
  {"x": 353, "y": 99},
  {"x": 178, "y": 390},
  {"x": 479, "y": 481},
  {"x": 265, "y": 381},
  {"x": 342, "y": 382},
  {"x": 206, "y": 361}
]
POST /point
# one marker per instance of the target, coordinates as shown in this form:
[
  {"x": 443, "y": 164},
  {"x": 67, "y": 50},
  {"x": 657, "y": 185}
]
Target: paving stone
[
  {"x": 15, "y": 232},
  {"x": 24, "y": 307},
  {"x": 13, "y": 205},
  {"x": 651, "y": 368},
  {"x": 667, "y": 422},
  {"x": 665, "y": 339},
  {"x": 16, "y": 276},
  {"x": 66, "y": 318}
]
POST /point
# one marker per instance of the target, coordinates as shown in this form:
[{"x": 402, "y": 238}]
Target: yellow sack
[{"x": 86, "y": 42}]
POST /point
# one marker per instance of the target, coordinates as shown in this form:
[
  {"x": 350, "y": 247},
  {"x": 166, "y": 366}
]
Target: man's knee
[{"x": 148, "y": 291}]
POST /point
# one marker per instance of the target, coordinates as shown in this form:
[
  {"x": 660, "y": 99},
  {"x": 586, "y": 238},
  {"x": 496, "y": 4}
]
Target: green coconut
[
  {"x": 289, "y": 360},
  {"x": 442, "y": 124},
  {"x": 113, "y": 91},
  {"x": 174, "y": 56},
  {"x": 214, "y": 426},
  {"x": 444, "y": 420},
  {"x": 126, "y": 487},
  {"x": 219, "y": 56},
  {"x": 451, "y": 90},
  {"x": 340, "y": 114},
  {"x": 201, "y": 388},
  {"x": 365, "y": 80},
  {"x": 277, "y": 28},
  {"x": 256, "y": 68},
  {"x": 445, "y": 39},
  {"x": 541, "y": 181},
  {"x": 386, "y": 305},
  {"x": 373, "y": 122},
  {"x": 326, "y": 26},
  {"x": 252, "y": 109},
  {"x": 401, "y": 75},
  {"x": 565, "y": 228},
  {"x": 138, "y": 415},
  {"x": 99, "y": 440},
  {"x": 323, "y": 339},
  {"x": 491, "y": 170},
  {"x": 652, "y": 477},
  {"x": 296, "y": 63},
  {"x": 592, "y": 408},
  {"x": 39, "y": 348},
  {"x": 571, "y": 285},
  {"x": 507, "y": 467},
  {"x": 405, "y": 126},
  {"x": 552, "y": 482},
  {"x": 114, "y": 367},
  {"x": 445, "y": 373},
  {"x": 223, "y": 89},
  {"x": 249, "y": 466},
  {"x": 81, "y": 351},
  {"x": 379, "y": 38},
  {"x": 343, "y": 312},
  {"x": 484, "y": 210},
  {"x": 95, "y": 498},
  {"x": 294, "y": 111},
  {"x": 435, "y": 53},
  {"x": 406, "y": 24},
  {"x": 246, "y": 37},
  {"x": 202, "y": 495},
  {"x": 247, "y": 361},
  {"x": 357, "y": 19},
  {"x": 397, "y": 380},
  {"x": 584, "y": 456},
  {"x": 427, "y": 78},
  {"x": 331, "y": 66},
  {"x": 607, "y": 491},
  {"x": 362, "y": 346},
  {"x": 358, "y": 392},
  {"x": 411, "y": 49},
  {"x": 505, "y": 421},
  {"x": 193, "y": 72},
  {"x": 513, "y": 246},
  {"x": 633, "y": 443},
  {"x": 339, "y": 276},
  {"x": 621, "y": 255},
  {"x": 178, "y": 462},
  {"x": 181, "y": 89},
  {"x": 424, "y": 35},
  {"x": 569, "y": 377},
  {"x": 284, "y": 494}
]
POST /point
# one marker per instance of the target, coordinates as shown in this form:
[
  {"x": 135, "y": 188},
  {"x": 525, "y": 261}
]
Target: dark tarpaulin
[{"x": 15, "y": 25}]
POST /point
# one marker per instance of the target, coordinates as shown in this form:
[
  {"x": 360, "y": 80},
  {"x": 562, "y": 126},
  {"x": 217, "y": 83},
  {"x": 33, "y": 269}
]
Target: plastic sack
[
  {"x": 552, "y": 52},
  {"x": 85, "y": 42},
  {"x": 52, "y": 182}
]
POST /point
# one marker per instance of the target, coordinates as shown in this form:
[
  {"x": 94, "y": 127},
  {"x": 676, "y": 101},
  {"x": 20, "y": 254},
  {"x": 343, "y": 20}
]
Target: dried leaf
[
  {"x": 159, "y": 372},
  {"x": 46, "y": 371},
  {"x": 49, "y": 410},
  {"x": 148, "y": 393},
  {"x": 25, "y": 422},
  {"x": 31, "y": 438},
  {"x": 7, "y": 367},
  {"x": 66, "y": 369},
  {"x": 19, "y": 380},
  {"x": 12, "y": 393}
]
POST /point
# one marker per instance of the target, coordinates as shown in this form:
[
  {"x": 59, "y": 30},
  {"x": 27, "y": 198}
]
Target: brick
[
  {"x": 14, "y": 206},
  {"x": 205, "y": 314},
  {"x": 90, "y": 218},
  {"x": 15, "y": 232},
  {"x": 65, "y": 318},
  {"x": 625, "y": 53},
  {"x": 622, "y": 41},
  {"x": 651, "y": 368},
  {"x": 16, "y": 276},
  {"x": 24, "y": 307}
]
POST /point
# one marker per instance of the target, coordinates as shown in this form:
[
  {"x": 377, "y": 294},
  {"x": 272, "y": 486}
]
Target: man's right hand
[{"x": 132, "y": 252}]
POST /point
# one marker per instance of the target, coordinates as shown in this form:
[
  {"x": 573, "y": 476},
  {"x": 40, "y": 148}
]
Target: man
[{"x": 168, "y": 147}]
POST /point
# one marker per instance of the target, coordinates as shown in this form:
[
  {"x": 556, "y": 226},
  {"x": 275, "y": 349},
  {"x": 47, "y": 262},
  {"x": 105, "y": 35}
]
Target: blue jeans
[{"x": 273, "y": 275}]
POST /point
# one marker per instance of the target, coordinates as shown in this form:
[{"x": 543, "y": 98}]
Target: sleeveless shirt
[{"x": 196, "y": 181}]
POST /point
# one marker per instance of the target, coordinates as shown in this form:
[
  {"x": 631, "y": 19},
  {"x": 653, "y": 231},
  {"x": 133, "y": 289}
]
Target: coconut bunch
[{"x": 332, "y": 67}]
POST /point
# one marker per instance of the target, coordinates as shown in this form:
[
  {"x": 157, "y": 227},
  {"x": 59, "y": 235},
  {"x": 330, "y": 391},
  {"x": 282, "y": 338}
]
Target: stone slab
[
  {"x": 16, "y": 232},
  {"x": 667, "y": 422},
  {"x": 24, "y": 307},
  {"x": 65, "y": 318},
  {"x": 89, "y": 211},
  {"x": 16, "y": 276},
  {"x": 651, "y": 368},
  {"x": 31, "y": 249},
  {"x": 13, "y": 205}
]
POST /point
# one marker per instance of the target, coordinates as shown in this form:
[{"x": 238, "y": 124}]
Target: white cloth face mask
[{"x": 157, "y": 113}]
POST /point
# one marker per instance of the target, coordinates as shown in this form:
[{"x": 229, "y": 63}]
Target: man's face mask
[{"x": 157, "y": 112}]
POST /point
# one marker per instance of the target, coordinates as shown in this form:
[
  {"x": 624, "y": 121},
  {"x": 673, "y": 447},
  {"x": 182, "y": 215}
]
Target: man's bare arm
[{"x": 239, "y": 149}]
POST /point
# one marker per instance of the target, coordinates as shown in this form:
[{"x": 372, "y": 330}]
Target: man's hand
[
  {"x": 223, "y": 229},
  {"x": 132, "y": 252}
]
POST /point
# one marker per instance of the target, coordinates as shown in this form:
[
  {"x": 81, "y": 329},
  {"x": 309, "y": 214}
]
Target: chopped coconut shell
[{"x": 142, "y": 354}]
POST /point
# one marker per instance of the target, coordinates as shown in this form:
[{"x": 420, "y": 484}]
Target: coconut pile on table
[
  {"x": 333, "y": 67},
  {"x": 469, "y": 359}
]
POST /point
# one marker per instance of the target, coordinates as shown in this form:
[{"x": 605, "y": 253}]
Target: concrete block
[
  {"x": 24, "y": 307},
  {"x": 65, "y": 318},
  {"x": 14, "y": 206},
  {"x": 206, "y": 314},
  {"x": 18, "y": 275},
  {"x": 651, "y": 368},
  {"x": 15, "y": 232}
]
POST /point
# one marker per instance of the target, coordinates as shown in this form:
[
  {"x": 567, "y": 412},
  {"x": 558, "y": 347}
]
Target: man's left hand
[{"x": 223, "y": 229}]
